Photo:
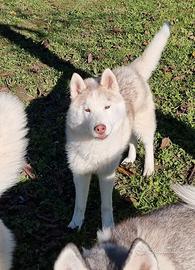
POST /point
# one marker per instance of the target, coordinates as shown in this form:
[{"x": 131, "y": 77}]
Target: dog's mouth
[{"x": 101, "y": 137}]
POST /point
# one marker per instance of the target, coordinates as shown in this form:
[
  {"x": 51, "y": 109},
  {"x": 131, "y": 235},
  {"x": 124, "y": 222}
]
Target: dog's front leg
[
  {"x": 106, "y": 188},
  {"x": 82, "y": 183}
]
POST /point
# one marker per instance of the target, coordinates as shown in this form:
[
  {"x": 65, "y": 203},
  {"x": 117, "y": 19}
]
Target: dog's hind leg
[
  {"x": 132, "y": 150},
  {"x": 145, "y": 126},
  {"x": 106, "y": 188},
  {"x": 82, "y": 183},
  {"x": 149, "y": 155}
]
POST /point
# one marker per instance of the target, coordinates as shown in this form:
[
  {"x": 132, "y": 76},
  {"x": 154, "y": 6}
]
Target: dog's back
[
  {"x": 12, "y": 151},
  {"x": 162, "y": 240},
  {"x": 169, "y": 232}
]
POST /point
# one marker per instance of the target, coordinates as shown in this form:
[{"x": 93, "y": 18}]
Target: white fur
[
  {"x": 186, "y": 193},
  {"x": 122, "y": 101},
  {"x": 164, "y": 263},
  {"x": 88, "y": 155},
  {"x": 12, "y": 142},
  {"x": 141, "y": 257},
  {"x": 102, "y": 157},
  {"x": 12, "y": 150},
  {"x": 7, "y": 244},
  {"x": 147, "y": 63},
  {"x": 69, "y": 259},
  {"x": 104, "y": 235}
]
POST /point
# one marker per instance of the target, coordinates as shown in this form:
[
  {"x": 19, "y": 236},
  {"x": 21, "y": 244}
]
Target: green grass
[{"x": 42, "y": 43}]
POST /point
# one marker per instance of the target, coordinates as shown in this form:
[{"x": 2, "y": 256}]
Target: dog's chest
[{"x": 91, "y": 156}]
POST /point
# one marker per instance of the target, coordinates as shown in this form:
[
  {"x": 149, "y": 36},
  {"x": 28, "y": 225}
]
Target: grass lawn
[{"x": 42, "y": 43}]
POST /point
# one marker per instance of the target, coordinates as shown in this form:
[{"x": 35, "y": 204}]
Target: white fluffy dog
[
  {"x": 105, "y": 115},
  {"x": 12, "y": 151}
]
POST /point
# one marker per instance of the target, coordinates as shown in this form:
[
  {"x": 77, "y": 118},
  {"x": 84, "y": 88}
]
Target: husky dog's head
[
  {"x": 97, "y": 107},
  {"x": 108, "y": 256}
]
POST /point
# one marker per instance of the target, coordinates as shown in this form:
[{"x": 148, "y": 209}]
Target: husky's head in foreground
[
  {"x": 108, "y": 256},
  {"x": 162, "y": 240},
  {"x": 96, "y": 108}
]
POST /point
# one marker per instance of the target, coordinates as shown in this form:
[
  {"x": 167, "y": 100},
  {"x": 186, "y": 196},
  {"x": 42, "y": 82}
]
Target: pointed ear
[
  {"x": 140, "y": 257},
  {"x": 70, "y": 259},
  {"x": 108, "y": 80},
  {"x": 77, "y": 85}
]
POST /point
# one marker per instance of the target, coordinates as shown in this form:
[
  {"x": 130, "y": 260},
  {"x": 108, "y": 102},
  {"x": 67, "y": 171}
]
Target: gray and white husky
[
  {"x": 12, "y": 151},
  {"x": 162, "y": 240},
  {"x": 105, "y": 115}
]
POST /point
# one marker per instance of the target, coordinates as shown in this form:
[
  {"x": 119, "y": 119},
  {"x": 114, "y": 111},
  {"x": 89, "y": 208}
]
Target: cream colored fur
[
  {"x": 122, "y": 103},
  {"x": 186, "y": 193},
  {"x": 12, "y": 151}
]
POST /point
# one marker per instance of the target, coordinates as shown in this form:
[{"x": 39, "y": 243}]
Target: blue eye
[{"x": 107, "y": 107}]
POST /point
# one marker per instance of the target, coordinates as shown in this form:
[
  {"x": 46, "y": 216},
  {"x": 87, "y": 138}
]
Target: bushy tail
[
  {"x": 148, "y": 61},
  {"x": 12, "y": 139},
  {"x": 186, "y": 193}
]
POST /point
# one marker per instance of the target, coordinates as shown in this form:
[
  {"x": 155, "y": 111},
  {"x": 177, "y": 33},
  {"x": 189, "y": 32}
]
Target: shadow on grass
[
  {"x": 178, "y": 132},
  {"x": 38, "y": 211}
]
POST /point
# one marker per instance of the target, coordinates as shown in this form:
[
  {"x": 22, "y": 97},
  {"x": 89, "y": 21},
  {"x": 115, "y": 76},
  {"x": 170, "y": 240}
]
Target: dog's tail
[
  {"x": 186, "y": 193},
  {"x": 148, "y": 61},
  {"x": 12, "y": 140}
]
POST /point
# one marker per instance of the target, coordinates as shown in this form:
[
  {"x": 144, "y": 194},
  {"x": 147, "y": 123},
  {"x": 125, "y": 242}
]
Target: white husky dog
[
  {"x": 162, "y": 240},
  {"x": 106, "y": 114},
  {"x": 12, "y": 151}
]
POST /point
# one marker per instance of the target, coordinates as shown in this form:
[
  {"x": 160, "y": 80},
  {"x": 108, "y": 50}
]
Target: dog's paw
[
  {"x": 131, "y": 156},
  {"x": 76, "y": 223},
  {"x": 148, "y": 171},
  {"x": 128, "y": 160}
]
